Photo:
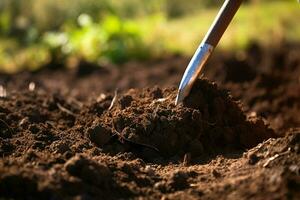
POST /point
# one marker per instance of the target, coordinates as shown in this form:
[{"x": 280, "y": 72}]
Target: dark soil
[{"x": 85, "y": 134}]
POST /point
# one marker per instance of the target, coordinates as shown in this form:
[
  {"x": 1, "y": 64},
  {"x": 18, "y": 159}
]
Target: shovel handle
[
  {"x": 206, "y": 47},
  {"x": 222, "y": 21}
]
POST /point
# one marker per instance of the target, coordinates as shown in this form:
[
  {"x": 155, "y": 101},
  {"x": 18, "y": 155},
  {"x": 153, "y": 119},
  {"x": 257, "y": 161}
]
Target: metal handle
[
  {"x": 206, "y": 47},
  {"x": 221, "y": 22}
]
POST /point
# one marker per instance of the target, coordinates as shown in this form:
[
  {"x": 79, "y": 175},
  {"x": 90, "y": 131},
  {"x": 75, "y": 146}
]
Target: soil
[{"x": 115, "y": 133}]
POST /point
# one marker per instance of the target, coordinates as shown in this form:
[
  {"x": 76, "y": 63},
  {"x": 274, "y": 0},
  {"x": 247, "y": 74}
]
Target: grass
[{"x": 263, "y": 22}]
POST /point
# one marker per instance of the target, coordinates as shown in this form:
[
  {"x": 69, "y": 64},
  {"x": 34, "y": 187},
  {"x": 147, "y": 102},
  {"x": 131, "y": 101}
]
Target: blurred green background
[{"x": 57, "y": 33}]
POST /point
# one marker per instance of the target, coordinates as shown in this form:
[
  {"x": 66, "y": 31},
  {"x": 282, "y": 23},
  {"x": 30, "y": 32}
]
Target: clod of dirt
[
  {"x": 208, "y": 122},
  {"x": 178, "y": 180},
  {"x": 88, "y": 170},
  {"x": 156, "y": 93},
  {"x": 60, "y": 147},
  {"x": 99, "y": 134},
  {"x": 125, "y": 101}
]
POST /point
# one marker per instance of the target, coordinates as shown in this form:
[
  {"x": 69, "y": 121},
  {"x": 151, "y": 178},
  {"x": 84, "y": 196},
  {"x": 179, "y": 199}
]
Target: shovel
[{"x": 206, "y": 47}]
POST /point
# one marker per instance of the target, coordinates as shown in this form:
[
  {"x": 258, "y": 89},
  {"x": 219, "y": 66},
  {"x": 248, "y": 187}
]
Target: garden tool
[{"x": 206, "y": 47}]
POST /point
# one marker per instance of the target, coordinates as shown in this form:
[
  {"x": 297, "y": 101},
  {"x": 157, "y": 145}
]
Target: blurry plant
[
  {"x": 5, "y": 22},
  {"x": 111, "y": 39},
  {"x": 14, "y": 58}
]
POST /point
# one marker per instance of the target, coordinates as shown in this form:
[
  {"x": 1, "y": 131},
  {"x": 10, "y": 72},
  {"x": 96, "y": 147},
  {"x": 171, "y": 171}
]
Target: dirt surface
[{"x": 115, "y": 133}]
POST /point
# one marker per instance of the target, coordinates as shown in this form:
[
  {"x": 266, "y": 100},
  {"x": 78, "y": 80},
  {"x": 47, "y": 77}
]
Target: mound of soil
[{"x": 208, "y": 122}]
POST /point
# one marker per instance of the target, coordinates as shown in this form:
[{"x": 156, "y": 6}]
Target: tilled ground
[{"x": 85, "y": 134}]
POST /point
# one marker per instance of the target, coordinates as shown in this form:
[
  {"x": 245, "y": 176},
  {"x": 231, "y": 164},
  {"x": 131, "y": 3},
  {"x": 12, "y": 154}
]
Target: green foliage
[
  {"x": 4, "y": 23},
  {"x": 110, "y": 39}
]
